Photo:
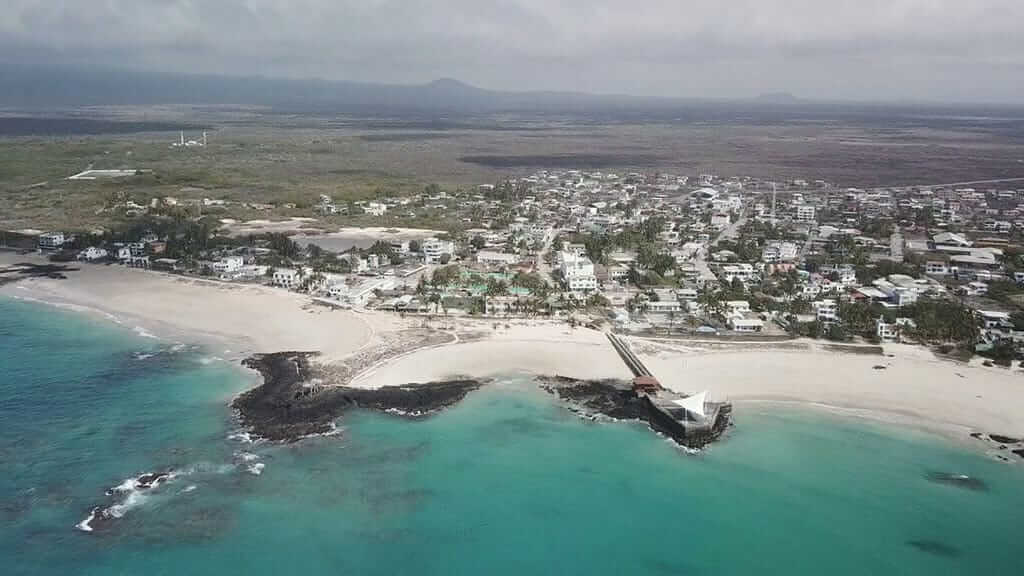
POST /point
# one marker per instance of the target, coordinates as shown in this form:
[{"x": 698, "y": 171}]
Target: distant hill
[
  {"x": 778, "y": 98},
  {"x": 24, "y": 86}
]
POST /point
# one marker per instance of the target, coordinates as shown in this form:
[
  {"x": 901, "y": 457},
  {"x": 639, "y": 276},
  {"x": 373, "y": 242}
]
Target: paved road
[
  {"x": 542, "y": 267},
  {"x": 731, "y": 231}
]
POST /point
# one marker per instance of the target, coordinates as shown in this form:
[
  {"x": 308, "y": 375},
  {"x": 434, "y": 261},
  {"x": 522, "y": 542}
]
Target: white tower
[
  {"x": 773, "y": 203},
  {"x": 204, "y": 138},
  {"x": 181, "y": 135}
]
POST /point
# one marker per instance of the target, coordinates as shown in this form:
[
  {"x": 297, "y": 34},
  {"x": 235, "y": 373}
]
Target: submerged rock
[
  {"x": 288, "y": 407},
  {"x": 1004, "y": 439},
  {"x": 935, "y": 548},
  {"x": 958, "y": 480}
]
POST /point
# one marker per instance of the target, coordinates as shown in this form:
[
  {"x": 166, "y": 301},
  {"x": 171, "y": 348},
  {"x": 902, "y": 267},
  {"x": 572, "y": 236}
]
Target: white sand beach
[
  {"x": 241, "y": 318},
  {"x": 914, "y": 387}
]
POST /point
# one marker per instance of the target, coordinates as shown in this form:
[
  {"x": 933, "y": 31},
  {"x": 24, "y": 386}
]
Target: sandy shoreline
[{"x": 378, "y": 349}]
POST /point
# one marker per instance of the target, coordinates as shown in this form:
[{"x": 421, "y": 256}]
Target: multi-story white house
[
  {"x": 229, "y": 265},
  {"x": 779, "y": 252},
  {"x": 805, "y": 213},
  {"x": 826, "y": 310},
  {"x": 744, "y": 272},
  {"x": 936, "y": 268},
  {"x": 578, "y": 272},
  {"x": 895, "y": 331},
  {"x": 286, "y": 278},
  {"x": 435, "y": 250},
  {"x": 720, "y": 220},
  {"x": 51, "y": 241}
]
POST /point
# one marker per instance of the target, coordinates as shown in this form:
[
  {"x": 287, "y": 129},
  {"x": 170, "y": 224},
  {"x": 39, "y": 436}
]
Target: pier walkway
[{"x": 632, "y": 362}]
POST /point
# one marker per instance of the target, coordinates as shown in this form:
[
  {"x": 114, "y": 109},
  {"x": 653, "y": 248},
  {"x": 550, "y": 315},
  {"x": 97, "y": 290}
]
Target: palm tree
[
  {"x": 494, "y": 288},
  {"x": 710, "y": 301}
]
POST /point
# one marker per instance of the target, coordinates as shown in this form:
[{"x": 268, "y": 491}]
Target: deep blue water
[{"x": 508, "y": 482}]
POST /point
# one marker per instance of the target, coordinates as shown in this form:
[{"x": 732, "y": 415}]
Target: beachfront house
[
  {"x": 229, "y": 265},
  {"x": 51, "y": 241},
  {"x": 286, "y": 278},
  {"x": 893, "y": 331},
  {"x": 825, "y": 311},
  {"x": 92, "y": 253},
  {"x": 747, "y": 325}
]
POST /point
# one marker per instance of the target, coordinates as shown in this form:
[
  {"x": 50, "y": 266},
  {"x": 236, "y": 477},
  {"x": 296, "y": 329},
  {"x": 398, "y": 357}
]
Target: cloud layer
[{"x": 859, "y": 49}]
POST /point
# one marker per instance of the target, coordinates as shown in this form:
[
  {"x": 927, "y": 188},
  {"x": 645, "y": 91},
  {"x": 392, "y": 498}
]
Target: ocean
[{"x": 507, "y": 482}]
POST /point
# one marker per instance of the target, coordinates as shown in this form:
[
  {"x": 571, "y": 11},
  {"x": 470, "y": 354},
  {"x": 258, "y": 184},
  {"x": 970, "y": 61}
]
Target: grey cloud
[{"x": 937, "y": 49}]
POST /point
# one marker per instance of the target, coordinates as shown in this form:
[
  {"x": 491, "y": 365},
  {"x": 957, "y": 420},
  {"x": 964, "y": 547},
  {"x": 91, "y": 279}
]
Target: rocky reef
[{"x": 297, "y": 400}]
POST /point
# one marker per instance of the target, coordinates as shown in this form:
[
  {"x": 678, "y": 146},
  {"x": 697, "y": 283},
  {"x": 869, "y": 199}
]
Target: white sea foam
[
  {"x": 247, "y": 456},
  {"x": 144, "y": 333},
  {"x": 86, "y": 525},
  {"x": 241, "y": 437},
  {"x": 189, "y": 488},
  {"x": 143, "y": 356},
  {"x": 256, "y": 469},
  {"x": 132, "y": 501}
]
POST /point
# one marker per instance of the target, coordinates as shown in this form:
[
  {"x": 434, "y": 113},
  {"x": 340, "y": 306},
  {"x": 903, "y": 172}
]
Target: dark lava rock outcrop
[{"x": 290, "y": 405}]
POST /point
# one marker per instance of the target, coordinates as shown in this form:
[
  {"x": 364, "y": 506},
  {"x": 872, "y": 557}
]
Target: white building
[
  {"x": 229, "y": 265},
  {"x": 578, "y": 272},
  {"x": 720, "y": 220},
  {"x": 375, "y": 209},
  {"x": 491, "y": 258},
  {"x": 92, "y": 253},
  {"x": 805, "y": 213},
  {"x": 664, "y": 306},
  {"x": 744, "y": 272},
  {"x": 826, "y": 310},
  {"x": 737, "y": 307},
  {"x": 51, "y": 241},
  {"x": 434, "y": 250},
  {"x": 779, "y": 252},
  {"x": 894, "y": 332},
  {"x": 746, "y": 324},
  {"x": 936, "y": 268},
  {"x": 286, "y": 278}
]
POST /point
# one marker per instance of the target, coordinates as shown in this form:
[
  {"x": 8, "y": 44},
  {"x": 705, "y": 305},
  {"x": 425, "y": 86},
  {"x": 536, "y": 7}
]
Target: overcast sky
[{"x": 949, "y": 50}]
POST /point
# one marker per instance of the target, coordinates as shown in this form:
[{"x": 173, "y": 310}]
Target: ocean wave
[
  {"x": 143, "y": 355},
  {"x": 256, "y": 469},
  {"x": 68, "y": 306},
  {"x": 144, "y": 333}
]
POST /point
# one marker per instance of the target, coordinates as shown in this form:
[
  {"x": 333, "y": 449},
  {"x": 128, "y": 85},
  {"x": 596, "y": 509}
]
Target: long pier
[
  {"x": 632, "y": 362},
  {"x": 667, "y": 411}
]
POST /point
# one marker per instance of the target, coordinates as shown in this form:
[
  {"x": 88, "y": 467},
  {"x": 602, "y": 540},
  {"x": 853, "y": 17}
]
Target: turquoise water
[{"x": 505, "y": 483}]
